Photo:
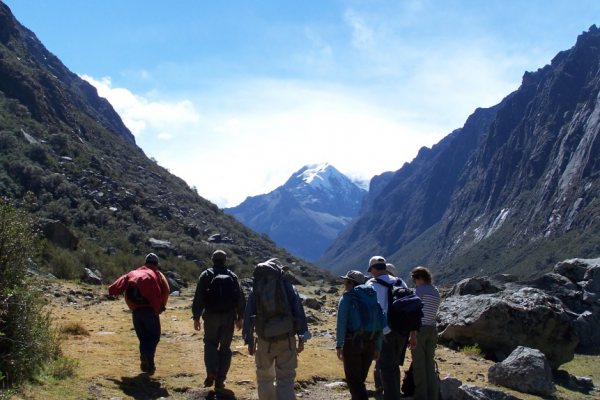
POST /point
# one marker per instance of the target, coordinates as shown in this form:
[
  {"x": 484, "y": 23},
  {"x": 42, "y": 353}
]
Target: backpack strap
[{"x": 390, "y": 289}]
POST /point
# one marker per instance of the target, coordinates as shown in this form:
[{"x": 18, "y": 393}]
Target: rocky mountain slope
[
  {"x": 306, "y": 213},
  {"x": 512, "y": 191},
  {"x": 66, "y": 145}
]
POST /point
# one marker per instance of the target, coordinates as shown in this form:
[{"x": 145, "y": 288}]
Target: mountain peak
[{"x": 317, "y": 175}]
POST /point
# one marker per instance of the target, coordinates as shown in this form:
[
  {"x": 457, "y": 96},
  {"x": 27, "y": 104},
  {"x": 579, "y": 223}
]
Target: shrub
[
  {"x": 26, "y": 340},
  {"x": 472, "y": 351},
  {"x": 74, "y": 328}
]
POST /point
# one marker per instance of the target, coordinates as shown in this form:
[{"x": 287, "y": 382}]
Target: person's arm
[
  {"x": 412, "y": 340},
  {"x": 342, "y": 323},
  {"x": 198, "y": 303},
  {"x": 248, "y": 323},
  {"x": 241, "y": 306}
]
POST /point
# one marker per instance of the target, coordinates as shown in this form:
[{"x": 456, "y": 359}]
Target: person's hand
[
  {"x": 300, "y": 347},
  {"x": 197, "y": 325},
  {"x": 376, "y": 356},
  {"x": 412, "y": 341},
  {"x": 252, "y": 349},
  {"x": 340, "y": 354},
  {"x": 239, "y": 323}
]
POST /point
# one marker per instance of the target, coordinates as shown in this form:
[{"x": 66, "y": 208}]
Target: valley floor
[{"x": 109, "y": 363}]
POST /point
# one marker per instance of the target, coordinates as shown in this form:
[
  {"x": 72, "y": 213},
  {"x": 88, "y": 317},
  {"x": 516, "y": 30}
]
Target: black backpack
[
  {"x": 405, "y": 309},
  {"x": 135, "y": 296},
  {"x": 222, "y": 293}
]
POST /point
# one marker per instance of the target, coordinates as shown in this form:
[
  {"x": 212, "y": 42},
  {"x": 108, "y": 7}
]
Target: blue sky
[{"x": 234, "y": 96}]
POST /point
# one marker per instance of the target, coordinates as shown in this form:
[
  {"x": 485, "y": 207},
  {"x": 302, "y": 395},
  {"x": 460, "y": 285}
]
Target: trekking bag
[
  {"x": 405, "y": 309},
  {"x": 366, "y": 315},
  {"x": 134, "y": 295},
  {"x": 274, "y": 319},
  {"x": 222, "y": 293}
]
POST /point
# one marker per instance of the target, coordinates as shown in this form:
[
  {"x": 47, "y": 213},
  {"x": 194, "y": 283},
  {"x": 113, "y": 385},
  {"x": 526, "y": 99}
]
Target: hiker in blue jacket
[{"x": 360, "y": 322}]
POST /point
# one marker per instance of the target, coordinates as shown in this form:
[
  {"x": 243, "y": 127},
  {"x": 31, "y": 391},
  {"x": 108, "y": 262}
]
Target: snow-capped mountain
[{"x": 306, "y": 213}]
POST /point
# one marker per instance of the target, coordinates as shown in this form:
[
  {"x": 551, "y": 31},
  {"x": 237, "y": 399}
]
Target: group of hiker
[{"x": 378, "y": 319}]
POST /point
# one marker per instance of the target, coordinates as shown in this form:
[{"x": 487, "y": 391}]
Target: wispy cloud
[{"x": 362, "y": 36}]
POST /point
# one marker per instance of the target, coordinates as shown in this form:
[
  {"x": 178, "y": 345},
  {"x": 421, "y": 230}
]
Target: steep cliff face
[
  {"x": 41, "y": 82},
  {"x": 403, "y": 205},
  {"x": 70, "y": 149},
  {"x": 514, "y": 190},
  {"x": 534, "y": 179}
]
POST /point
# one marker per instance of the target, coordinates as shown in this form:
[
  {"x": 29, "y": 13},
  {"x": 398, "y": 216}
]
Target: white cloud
[
  {"x": 362, "y": 36},
  {"x": 143, "y": 116},
  {"x": 165, "y": 136}
]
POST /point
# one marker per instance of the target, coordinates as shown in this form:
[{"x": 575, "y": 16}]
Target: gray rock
[
  {"x": 469, "y": 392},
  {"x": 525, "y": 370},
  {"x": 91, "y": 278},
  {"x": 500, "y": 322},
  {"x": 449, "y": 388},
  {"x": 310, "y": 302},
  {"x": 295, "y": 279},
  {"x": 161, "y": 244},
  {"x": 575, "y": 268},
  {"x": 476, "y": 286}
]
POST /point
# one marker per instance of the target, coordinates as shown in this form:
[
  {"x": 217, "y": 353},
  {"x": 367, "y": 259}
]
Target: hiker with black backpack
[
  {"x": 276, "y": 314},
  {"x": 360, "y": 322},
  {"x": 395, "y": 338},
  {"x": 146, "y": 293},
  {"x": 423, "y": 362},
  {"x": 220, "y": 301}
]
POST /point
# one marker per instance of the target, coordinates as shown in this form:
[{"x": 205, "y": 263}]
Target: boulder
[
  {"x": 449, "y": 388},
  {"x": 476, "y": 286},
  {"x": 469, "y": 392},
  {"x": 56, "y": 232},
  {"x": 310, "y": 302},
  {"x": 295, "y": 279},
  {"x": 575, "y": 268},
  {"x": 525, "y": 370},
  {"x": 161, "y": 244},
  {"x": 502, "y": 321},
  {"x": 90, "y": 277}
]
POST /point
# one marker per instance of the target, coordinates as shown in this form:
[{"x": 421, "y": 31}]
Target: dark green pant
[
  {"x": 426, "y": 380},
  {"x": 218, "y": 333}
]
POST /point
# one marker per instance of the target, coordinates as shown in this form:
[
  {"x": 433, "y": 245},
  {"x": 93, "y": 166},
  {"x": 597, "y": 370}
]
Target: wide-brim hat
[{"x": 355, "y": 276}]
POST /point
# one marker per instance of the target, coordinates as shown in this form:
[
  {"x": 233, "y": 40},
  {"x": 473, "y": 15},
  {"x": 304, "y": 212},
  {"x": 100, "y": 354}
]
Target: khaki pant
[
  {"x": 276, "y": 365},
  {"x": 423, "y": 362}
]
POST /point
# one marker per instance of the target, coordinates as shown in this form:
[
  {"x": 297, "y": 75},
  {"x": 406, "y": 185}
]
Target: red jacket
[{"x": 150, "y": 282}]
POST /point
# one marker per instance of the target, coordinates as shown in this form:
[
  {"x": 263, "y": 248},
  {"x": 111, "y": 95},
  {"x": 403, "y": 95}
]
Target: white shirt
[{"x": 382, "y": 293}]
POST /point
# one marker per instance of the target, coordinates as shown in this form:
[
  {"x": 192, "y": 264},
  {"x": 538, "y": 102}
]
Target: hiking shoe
[
  {"x": 152, "y": 371},
  {"x": 210, "y": 380},
  {"x": 220, "y": 385},
  {"x": 144, "y": 363}
]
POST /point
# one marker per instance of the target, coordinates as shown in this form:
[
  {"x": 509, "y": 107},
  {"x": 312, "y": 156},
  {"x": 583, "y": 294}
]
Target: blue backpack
[{"x": 366, "y": 315}]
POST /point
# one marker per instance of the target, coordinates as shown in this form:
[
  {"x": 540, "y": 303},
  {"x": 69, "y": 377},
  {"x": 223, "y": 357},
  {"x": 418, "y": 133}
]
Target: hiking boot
[
  {"x": 220, "y": 384},
  {"x": 152, "y": 371},
  {"x": 144, "y": 363},
  {"x": 210, "y": 380}
]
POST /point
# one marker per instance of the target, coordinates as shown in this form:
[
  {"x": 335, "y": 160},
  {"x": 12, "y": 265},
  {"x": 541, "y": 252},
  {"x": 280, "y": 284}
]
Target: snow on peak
[{"x": 317, "y": 175}]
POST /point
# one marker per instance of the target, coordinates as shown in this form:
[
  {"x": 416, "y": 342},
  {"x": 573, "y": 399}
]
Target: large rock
[
  {"x": 91, "y": 277},
  {"x": 449, "y": 388},
  {"x": 295, "y": 279},
  {"x": 469, "y": 392},
  {"x": 477, "y": 286},
  {"x": 56, "y": 232},
  {"x": 310, "y": 302},
  {"x": 525, "y": 370},
  {"x": 576, "y": 282},
  {"x": 500, "y": 322},
  {"x": 157, "y": 244}
]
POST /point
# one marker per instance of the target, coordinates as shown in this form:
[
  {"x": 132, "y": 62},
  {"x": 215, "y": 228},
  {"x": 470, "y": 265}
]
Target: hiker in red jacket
[{"x": 146, "y": 293}]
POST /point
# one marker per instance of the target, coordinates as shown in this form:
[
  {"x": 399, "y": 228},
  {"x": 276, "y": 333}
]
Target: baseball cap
[
  {"x": 390, "y": 268},
  {"x": 355, "y": 276},
  {"x": 219, "y": 255},
  {"x": 376, "y": 260},
  {"x": 152, "y": 258}
]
